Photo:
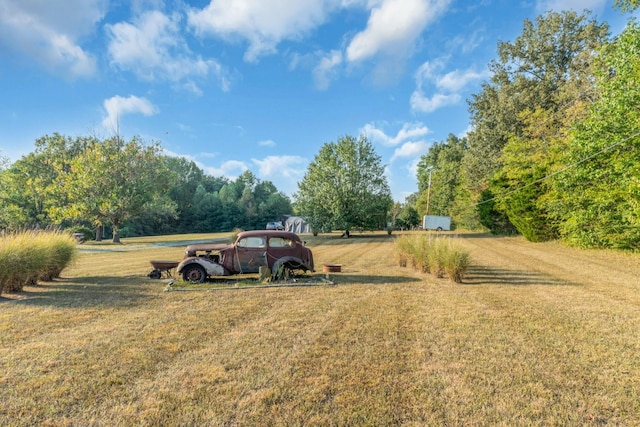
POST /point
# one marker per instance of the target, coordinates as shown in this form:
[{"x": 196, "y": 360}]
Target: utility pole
[{"x": 429, "y": 189}]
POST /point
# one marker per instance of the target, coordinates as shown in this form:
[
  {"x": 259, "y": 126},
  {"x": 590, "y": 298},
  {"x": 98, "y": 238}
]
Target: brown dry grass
[{"x": 537, "y": 335}]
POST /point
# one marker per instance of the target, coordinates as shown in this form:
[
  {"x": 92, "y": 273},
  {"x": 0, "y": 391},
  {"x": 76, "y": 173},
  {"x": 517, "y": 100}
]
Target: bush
[
  {"x": 435, "y": 255},
  {"x": 29, "y": 256}
]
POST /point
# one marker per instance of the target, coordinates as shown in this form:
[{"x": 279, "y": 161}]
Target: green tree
[
  {"x": 439, "y": 175},
  {"x": 627, "y": 5},
  {"x": 597, "y": 196},
  {"x": 345, "y": 187},
  {"x": 527, "y": 90},
  {"x": 28, "y": 188},
  {"x": 112, "y": 182}
]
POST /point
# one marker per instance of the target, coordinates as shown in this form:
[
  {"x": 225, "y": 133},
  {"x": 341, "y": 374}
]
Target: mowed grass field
[{"x": 538, "y": 334}]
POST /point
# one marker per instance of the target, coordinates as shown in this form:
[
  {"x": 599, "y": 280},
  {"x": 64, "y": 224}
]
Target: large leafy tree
[
  {"x": 114, "y": 181},
  {"x": 528, "y": 89},
  {"x": 345, "y": 187},
  {"x": 597, "y": 195},
  {"x": 28, "y": 187}
]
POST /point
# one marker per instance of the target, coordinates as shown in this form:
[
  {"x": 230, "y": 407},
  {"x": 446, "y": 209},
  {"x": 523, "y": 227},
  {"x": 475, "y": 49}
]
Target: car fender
[
  {"x": 295, "y": 262},
  {"x": 212, "y": 268}
]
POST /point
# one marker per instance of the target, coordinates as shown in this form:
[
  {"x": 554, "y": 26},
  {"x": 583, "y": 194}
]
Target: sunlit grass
[{"x": 105, "y": 345}]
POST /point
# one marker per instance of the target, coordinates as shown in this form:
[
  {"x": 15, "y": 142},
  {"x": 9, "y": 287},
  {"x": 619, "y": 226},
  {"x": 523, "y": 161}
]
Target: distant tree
[
  {"x": 408, "y": 218},
  {"x": 112, "y": 182},
  {"x": 441, "y": 165},
  {"x": 345, "y": 187}
]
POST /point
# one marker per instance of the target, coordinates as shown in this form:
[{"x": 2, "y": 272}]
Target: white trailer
[{"x": 436, "y": 222}]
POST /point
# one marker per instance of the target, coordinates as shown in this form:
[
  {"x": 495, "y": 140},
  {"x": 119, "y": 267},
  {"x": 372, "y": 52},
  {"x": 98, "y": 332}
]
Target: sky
[{"x": 258, "y": 85}]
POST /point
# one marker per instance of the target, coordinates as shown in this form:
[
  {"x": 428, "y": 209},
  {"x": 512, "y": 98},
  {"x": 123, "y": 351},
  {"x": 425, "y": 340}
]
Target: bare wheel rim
[{"x": 194, "y": 274}]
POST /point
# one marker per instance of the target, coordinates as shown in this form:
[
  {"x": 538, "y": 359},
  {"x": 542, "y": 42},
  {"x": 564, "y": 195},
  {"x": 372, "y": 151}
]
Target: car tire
[{"x": 194, "y": 274}]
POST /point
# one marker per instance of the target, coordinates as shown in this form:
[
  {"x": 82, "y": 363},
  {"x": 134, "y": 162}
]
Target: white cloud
[
  {"x": 325, "y": 71},
  {"x": 153, "y": 49},
  {"x": 448, "y": 86},
  {"x": 456, "y": 80},
  {"x": 411, "y": 150},
  {"x": 421, "y": 103},
  {"x": 596, "y": 6},
  {"x": 409, "y": 131},
  {"x": 281, "y": 166},
  {"x": 284, "y": 171},
  {"x": 267, "y": 143},
  {"x": 49, "y": 32},
  {"x": 393, "y": 27},
  {"x": 117, "y": 106},
  {"x": 231, "y": 169},
  {"x": 263, "y": 24}
]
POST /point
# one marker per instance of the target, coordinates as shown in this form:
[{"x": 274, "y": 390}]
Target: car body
[
  {"x": 275, "y": 249},
  {"x": 277, "y": 225}
]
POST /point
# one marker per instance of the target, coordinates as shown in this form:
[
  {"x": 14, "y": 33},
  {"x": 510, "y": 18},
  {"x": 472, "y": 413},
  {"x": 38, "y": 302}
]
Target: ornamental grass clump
[
  {"x": 439, "y": 256},
  {"x": 61, "y": 250},
  {"x": 29, "y": 256}
]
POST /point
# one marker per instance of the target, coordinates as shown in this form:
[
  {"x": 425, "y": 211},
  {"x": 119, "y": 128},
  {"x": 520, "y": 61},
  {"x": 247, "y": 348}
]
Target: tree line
[
  {"x": 129, "y": 188},
  {"x": 553, "y": 150}
]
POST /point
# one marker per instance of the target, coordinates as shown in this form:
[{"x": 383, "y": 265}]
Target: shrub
[
  {"x": 29, "y": 256},
  {"x": 435, "y": 255}
]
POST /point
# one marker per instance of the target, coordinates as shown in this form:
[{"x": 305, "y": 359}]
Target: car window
[
  {"x": 252, "y": 242},
  {"x": 280, "y": 242}
]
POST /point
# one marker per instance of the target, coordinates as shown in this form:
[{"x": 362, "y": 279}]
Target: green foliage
[
  {"x": 441, "y": 165},
  {"x": 129, "y": 188},
  {"x": 627, "y": 5},
  {"x": 518, "y": 118},
  {"x": 491, "y": 218},
  {"x": 345, "y": 187},
  {"x": 113, "y": 182},
  {"x": 597, "y": 197}
]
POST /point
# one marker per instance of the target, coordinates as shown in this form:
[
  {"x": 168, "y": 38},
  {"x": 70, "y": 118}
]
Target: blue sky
[{"x": 255, "y": 85}]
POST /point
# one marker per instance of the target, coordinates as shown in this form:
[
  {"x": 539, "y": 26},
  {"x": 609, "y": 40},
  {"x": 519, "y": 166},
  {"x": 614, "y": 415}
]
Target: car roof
[{"x": 269, "y": 233}]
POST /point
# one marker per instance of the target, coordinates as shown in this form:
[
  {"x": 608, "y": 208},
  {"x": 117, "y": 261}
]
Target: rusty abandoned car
[{"x": 282, "y": 252}]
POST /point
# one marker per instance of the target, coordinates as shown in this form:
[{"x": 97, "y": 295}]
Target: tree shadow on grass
[
  {"x": 483, "y": 275},
  {"x": 95, "y": 291}
]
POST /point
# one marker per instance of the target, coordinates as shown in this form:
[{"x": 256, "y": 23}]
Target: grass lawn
[{"x": 537, "y": 335}]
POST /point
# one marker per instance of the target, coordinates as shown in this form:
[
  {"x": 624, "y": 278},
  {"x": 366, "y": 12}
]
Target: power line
[{"x": 558, "y": 172}]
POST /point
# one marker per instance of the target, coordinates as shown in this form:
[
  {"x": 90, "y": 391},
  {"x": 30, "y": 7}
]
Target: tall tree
[
  {"x": 345, "y": 187},
  {"x": 597, "y": 195},
  {"x": 528, "y": 77},
  {"x": 29, "y": 185},
  {"x": 112, "y": 182}
]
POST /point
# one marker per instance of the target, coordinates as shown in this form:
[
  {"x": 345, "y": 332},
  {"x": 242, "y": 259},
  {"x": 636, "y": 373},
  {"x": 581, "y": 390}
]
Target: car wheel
[{"x": 194, "y": 274}]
